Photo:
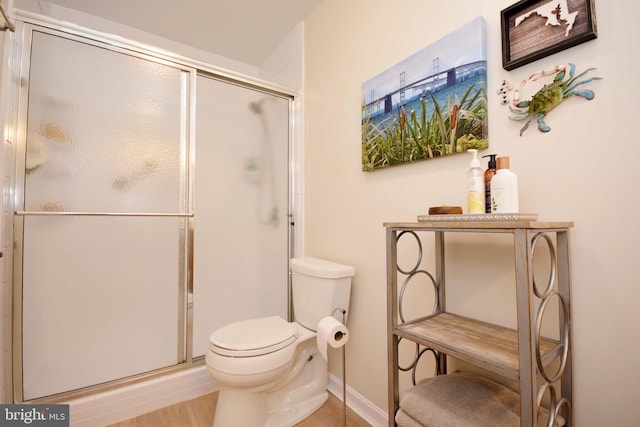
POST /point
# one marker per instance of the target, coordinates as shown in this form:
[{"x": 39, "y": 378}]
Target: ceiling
[{"x": 244, "y": 30}]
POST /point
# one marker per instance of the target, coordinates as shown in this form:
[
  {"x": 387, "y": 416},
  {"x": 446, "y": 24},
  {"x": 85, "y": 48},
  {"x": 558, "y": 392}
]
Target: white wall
[
  {"x": 43, "y": 7},
  {"x": 582, "y": 171}
]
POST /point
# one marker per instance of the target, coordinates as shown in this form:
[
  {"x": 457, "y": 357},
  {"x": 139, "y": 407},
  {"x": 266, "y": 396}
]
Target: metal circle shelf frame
[
  {"x": 546, "y": 297},
  {"x": 412, "y": 273}
]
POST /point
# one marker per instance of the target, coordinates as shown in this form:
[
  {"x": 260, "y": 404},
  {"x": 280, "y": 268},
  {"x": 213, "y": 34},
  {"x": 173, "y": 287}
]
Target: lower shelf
[
  {"x": 487, "y": 346},
  {"x": 462, "y": 399}
]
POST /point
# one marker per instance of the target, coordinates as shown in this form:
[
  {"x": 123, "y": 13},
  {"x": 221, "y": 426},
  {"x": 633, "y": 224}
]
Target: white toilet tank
[{"x": 319, "y": 287}]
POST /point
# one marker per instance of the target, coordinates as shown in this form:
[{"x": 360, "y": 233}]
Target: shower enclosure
[{"x": 152, "y": 206}]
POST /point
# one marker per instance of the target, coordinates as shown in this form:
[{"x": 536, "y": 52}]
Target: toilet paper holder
[{"x": 344, "y": 371}]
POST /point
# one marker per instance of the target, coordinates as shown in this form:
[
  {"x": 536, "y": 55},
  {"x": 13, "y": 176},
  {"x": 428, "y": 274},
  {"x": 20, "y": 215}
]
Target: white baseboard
[
  {"x": 137, "y": 399},
  {"x": 361, "y": 406}
]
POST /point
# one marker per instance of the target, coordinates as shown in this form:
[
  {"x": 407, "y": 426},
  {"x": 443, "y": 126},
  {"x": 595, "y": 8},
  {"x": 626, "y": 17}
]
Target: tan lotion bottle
[{"x": 488, "y": 174}]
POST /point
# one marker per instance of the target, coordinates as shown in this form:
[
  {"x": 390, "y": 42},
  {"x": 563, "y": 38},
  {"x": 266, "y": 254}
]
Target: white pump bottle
[{"x": 504, "y": 189}]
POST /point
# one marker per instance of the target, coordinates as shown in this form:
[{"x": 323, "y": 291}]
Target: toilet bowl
[
  {"x": 270, "y": 371},
  {"x": 277, "y": 380},
  {"x": 252, "y": 353}
]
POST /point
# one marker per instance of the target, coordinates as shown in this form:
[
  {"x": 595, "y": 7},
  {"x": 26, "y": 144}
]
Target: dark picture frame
[{"x": 533, "y": 29}]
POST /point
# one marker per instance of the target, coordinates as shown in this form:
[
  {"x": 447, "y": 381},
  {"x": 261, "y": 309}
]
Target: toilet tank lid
[{"x": 321, "y": 268}]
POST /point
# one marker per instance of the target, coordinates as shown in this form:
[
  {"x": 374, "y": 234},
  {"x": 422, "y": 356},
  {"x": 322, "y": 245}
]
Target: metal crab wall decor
[{"x": 550, "y": 96}]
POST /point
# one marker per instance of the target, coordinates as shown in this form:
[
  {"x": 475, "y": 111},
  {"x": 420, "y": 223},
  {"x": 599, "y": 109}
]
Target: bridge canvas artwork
[{"x": 430, "y": 105}]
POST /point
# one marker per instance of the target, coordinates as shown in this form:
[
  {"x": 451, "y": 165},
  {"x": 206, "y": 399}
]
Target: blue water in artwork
[{"x": 441, "y": 93}]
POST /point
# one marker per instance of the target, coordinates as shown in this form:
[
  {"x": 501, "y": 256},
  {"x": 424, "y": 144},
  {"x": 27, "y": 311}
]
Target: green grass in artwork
[{"x": 411, "y": 136}]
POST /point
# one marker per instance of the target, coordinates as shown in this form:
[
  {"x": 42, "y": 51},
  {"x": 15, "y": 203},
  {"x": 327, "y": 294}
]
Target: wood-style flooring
[{"x": 199, "y": 413}]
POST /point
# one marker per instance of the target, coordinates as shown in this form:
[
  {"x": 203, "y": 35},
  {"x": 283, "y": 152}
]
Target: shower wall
[{"x": 152, "y": 206}]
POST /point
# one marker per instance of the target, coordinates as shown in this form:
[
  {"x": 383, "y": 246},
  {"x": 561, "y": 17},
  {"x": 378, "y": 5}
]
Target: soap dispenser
[
  {"x": 475, "y": 185},
  {"x": 488, "y": 174},
  {"x": 504, "y": 188}
]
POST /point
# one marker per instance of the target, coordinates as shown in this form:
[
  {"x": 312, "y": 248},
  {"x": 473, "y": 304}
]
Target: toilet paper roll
[{"x": 331, "y": 333}]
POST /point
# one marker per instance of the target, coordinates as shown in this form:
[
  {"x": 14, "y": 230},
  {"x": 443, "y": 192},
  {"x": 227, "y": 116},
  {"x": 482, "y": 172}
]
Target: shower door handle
[{"x": 41, "y": 213}]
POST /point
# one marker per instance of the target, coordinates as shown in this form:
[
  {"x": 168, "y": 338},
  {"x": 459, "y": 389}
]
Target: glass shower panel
[
  {"x": 104, "y": 130},
  {"x": 105, "y": 139},
  {"x": 100, "y": 300},
  {"x": 240, "y": 207}
]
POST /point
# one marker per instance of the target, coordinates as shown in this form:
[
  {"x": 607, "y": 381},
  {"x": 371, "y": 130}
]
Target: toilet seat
[{"x": 253, "y": 337}]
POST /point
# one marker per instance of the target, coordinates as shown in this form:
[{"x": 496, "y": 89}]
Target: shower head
[{"x": 256, "y": 106}]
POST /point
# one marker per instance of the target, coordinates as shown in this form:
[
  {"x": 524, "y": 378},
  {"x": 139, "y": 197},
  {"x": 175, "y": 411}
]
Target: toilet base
[
  {"x": 237, "y": 407},
  {"x": 300, "y": 394},
  {"x": 287, "y": 417}
]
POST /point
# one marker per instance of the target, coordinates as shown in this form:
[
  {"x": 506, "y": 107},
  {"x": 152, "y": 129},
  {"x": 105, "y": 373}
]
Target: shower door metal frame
[
  {"x": 25, "y": 32},
  {"x": 26, "y": 23}
]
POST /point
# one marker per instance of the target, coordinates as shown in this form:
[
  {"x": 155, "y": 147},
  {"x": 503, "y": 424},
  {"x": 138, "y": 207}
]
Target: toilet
[{"x": 270, "y": 371}]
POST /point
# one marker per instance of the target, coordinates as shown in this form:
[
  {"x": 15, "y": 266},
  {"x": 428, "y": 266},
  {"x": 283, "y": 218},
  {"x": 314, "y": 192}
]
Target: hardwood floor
[{"x": 199, "y": 413}]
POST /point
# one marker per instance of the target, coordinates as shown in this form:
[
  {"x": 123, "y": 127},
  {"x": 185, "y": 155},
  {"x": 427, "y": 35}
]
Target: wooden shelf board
[
  {"x": 493, "y": 226},
  {"x": 488, "y": 346}
]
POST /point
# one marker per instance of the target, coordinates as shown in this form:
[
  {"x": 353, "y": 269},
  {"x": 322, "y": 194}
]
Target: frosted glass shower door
[
  {"x": 241, "y": 209},
  {"x": 103, "y": 215}
]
